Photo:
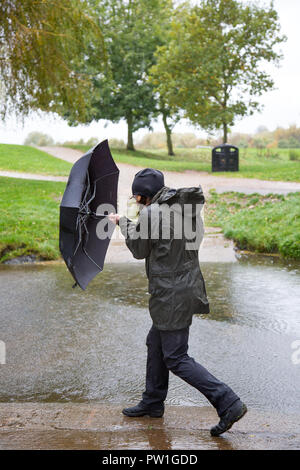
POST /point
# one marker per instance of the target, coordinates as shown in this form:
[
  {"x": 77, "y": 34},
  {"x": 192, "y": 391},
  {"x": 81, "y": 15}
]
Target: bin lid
[{"x": 222, "y": 146}]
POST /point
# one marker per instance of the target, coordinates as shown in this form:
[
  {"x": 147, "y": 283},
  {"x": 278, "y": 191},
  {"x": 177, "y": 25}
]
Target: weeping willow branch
[{"x": 45, "y": 50}]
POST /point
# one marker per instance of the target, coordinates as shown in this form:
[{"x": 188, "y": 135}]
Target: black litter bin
[{"x": 225, "y": 158}]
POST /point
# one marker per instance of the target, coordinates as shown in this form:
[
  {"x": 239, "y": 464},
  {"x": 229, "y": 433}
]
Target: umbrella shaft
[
  {"x": 98, "y": 215},
  {"x": 93, "y": 214}
]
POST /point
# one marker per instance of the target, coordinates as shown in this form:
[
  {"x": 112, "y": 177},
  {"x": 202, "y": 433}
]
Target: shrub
[
  {"x": 294, "y": 155},
  {"x": 116, "y": 143},
  {"x": 39, "y": 139}
]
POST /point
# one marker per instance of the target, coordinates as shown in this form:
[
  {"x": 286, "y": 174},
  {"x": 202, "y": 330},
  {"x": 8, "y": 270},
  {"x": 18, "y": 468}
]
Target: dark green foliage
[
  {"x": 213, "y": 64},
  {"x": 42, "y": 44},
  {"x": 132, "y": 31},
  {"x": 294, "y": 155}
]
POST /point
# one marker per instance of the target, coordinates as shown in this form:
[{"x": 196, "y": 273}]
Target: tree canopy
[
  {"x": 91, "y": 60},
  {"x": 41, "y": 46},
  {"x": 213, "y": 64},
  {"x": 132, "y": 31}
]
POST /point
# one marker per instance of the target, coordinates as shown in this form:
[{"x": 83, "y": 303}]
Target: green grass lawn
[
  {"x": 262, "y": 164},
  {"x": 264, "y": 224},
  {"x": 29, "y": 217},
  {"x": 158, "y": 160},
  {"x": 31, "y": 160}
]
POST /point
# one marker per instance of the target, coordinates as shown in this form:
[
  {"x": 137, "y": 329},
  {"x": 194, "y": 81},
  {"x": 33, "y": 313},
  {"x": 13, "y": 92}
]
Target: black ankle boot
[
  {"x": 235, "y": 412},
  {"x": 142, "y": 410}
]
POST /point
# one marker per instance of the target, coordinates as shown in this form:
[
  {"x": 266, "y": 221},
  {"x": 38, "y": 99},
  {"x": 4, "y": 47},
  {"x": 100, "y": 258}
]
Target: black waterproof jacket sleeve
[{"x": 137, "y": 235}]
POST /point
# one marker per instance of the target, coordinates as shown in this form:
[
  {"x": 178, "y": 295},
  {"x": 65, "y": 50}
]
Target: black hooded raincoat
[{"x": 168, "y": 234}]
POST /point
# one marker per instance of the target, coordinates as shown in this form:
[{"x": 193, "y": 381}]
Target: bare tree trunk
[
  {"x": 168, "y": 134},
  {"x": 130, "y": 132},
  {"x": 225, "y": 132}
]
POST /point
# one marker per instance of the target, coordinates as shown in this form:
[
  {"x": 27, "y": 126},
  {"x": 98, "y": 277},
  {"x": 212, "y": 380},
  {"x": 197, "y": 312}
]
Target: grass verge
[
  {"x": 264, "y": 224},
  {"x": 266, "y": 165},
  {"x": 29, "y": 217},
  {"x": 270, "y": 165},
  {"x": 27, "y": 159}
]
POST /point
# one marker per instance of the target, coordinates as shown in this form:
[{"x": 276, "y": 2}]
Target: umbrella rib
[
  {"x": 98, "y": 179},
  {"x": 79, "y": 237},
  {"x": 80, "y": 219},
  {"x": 82, "y": 216},
  {"x": 93, "y": 195},
  {"x": 86, "y": 253},
  {"x": 108, "y": 174},
  {"x": 96, "y": 188},
  {"x": 94, "y": 214},
  {"x": 87, "y": 188}
]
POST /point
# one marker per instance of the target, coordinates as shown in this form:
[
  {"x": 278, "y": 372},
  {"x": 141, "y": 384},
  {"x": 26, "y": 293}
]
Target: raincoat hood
[
  {"x": 187, "y": 201},
  {"x": 193, "y": 195}
]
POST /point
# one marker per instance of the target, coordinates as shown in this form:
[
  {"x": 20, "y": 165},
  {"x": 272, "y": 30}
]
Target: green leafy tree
[
  {"x": 132, "y": 30},
  {"x": 213, "y": 65},
  {"x": 41, "y": 45}
]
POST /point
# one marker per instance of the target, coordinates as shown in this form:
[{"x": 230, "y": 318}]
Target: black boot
[
  {"x": 235, "y": 412},
  {"x": 142, "y": 410}
]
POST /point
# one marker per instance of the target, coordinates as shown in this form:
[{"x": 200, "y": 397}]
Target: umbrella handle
[{"x": 93, "y": 214}]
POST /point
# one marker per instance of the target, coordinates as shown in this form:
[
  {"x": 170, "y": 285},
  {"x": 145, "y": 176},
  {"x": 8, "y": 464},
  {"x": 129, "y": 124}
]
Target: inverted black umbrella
[{"x": 85, "y": 231}]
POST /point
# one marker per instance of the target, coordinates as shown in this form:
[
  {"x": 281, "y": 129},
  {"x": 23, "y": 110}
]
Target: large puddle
[{"x": 63, "y": 344}]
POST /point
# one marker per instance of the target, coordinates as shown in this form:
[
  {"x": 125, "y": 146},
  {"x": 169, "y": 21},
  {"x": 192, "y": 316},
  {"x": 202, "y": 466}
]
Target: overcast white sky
[{"x": 281, "y": 106}]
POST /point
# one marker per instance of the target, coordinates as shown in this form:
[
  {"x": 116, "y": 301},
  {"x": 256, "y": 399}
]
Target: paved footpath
[
  {"x": 102, "y": 426},
  {"x": 172, "y": 178},
  {"x": 187, "y": 178}
]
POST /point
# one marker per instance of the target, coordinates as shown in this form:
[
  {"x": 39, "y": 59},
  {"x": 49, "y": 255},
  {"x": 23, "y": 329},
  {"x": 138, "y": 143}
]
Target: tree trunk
[
  {"x": 129, "y": 134},
  {"x": 225, "y": 132},
  {"x": 168, "y": 134}
]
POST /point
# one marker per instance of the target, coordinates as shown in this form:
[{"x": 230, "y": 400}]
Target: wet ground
[
  {"x": 66, "y": 348},
  {"x": 102, "y": 426}
]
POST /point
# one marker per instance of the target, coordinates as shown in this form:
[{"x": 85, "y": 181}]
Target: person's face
[{"x": 142, "y": 200}]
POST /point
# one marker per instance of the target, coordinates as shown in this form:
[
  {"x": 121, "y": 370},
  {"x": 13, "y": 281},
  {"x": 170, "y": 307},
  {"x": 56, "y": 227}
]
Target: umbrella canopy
[{"x": 93, "y": 182}]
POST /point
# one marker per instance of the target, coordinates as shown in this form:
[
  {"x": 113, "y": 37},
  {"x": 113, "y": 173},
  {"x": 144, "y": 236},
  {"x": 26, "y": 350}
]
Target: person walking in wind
[{"x": 177, "y": 292}]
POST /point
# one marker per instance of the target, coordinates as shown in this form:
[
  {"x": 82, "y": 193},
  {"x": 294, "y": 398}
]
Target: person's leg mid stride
[
  {"x": 167, "y": 350},
  {"x": 157, "y": 380}
]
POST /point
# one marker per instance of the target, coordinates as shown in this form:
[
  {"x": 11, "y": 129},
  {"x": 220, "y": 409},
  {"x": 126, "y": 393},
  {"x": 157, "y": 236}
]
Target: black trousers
[{"x": 167, "y": 351}]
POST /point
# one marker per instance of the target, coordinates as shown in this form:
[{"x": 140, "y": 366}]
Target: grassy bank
[
  {"x": 262, "y": 164},
  {"x": 31, "y": 160},
  {"x": 29, "y": 216},
  {"x": 29, "y": 213},
  {"x": 254, "y": 163},
  {"x": 160, "y": 160},
  {"x": 264, "y": 224}
]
